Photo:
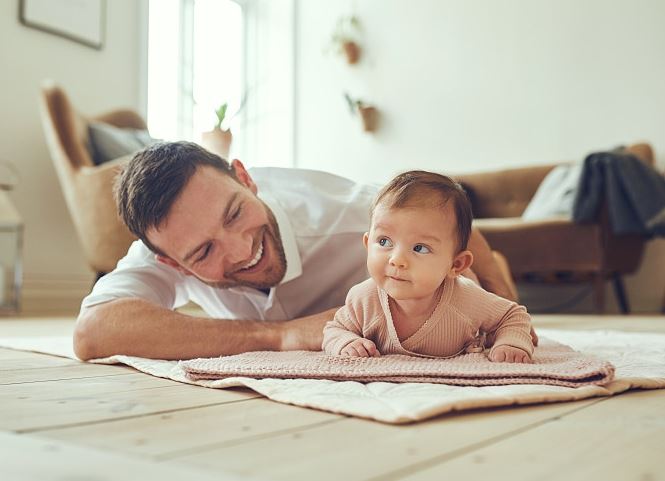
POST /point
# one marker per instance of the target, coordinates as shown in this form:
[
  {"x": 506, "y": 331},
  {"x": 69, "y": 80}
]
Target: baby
[{"x": 416, "y": 302}]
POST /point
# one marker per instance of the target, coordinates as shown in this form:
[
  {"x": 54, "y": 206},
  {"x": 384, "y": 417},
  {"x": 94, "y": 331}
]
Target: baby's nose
[{"x": 398, "y": 260}]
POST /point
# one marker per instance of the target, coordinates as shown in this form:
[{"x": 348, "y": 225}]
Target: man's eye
[
  {"x": 235, "y": 214},
  {"x": 421, "y": 249},
  {"x": 385, "y": 242},
  {"x": 206, "y": 251}
]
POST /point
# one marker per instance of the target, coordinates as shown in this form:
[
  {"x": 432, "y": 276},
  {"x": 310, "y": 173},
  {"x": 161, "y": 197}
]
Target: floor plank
[
  {"x": 35, "y": 406},
  {"x": 164, "y": 436},
  {"x": 33, "y": 362},
  {"x": 10, "y": 354},
  {"x": 631, "y": 323},
  {"x": 358, "y": 449},
  {"x": 60, "y": 373},
  {"x": 37, "y": 326},
  {"x": 26, "y": 458},
  {"x": 620, "y": 438},
  {"x": 125, "y": 417}
]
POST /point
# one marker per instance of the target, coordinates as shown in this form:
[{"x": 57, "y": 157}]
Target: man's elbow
[{"x": 84, "y": 339}]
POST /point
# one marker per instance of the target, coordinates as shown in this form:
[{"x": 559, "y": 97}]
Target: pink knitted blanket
[{"x": 554, "y": 364}]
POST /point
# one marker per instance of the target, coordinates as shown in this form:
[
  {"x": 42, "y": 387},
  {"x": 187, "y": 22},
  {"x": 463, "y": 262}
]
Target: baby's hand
[
  {"x": 509, "y": 354},
  {"x": 360, "y": 348}
]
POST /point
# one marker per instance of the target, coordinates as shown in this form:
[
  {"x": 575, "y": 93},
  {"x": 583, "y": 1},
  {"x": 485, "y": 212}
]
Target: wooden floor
[{"x": 60, "y": 419}]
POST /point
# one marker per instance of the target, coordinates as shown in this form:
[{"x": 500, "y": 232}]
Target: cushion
[
  {"x": 108, "y": 142},
  {"x": 556, "y": 194}
]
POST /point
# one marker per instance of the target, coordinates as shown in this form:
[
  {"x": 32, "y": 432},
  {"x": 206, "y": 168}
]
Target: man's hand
[
  {"x": 509, "y": 354},
  {"x": 305, "y": 333},
  {"x": 361, "y": 348}
]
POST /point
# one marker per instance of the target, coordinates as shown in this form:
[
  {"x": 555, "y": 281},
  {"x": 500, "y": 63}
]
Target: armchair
[
  {"x": 552, "y": 250},
  {"x": 88, "y": 188}
]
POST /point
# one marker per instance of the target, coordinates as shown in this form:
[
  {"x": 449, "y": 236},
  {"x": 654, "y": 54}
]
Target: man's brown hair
[
  {"x": 154, "y": 178},
  {"x": 419, "y": 188}
]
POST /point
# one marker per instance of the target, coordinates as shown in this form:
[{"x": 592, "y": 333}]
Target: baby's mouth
[{"x": 396, "y": 278}]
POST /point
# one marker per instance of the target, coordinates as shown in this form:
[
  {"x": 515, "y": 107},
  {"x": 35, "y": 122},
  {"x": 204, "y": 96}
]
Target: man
[{"x": 276, "y": 245}]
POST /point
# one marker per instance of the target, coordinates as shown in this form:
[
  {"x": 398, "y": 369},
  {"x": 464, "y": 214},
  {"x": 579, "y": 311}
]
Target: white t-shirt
[{"x": 321, "y": 218}]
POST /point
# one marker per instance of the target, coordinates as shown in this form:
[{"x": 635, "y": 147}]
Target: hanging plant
[
  {"x": 343, "y": 38},
  {"x": 369, "y": 115}
]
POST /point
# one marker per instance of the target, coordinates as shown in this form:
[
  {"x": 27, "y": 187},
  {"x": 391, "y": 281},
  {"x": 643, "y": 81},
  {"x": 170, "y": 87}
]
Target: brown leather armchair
[
  {"x": 88, "y": 188},
  {"x": 553, "y": 250}
]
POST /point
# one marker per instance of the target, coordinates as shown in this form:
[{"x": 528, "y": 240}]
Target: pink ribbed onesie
[{"x": 464, "y": 313}]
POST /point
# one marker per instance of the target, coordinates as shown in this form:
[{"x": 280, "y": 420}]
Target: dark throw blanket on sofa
[{"x": 635, "y": 193}]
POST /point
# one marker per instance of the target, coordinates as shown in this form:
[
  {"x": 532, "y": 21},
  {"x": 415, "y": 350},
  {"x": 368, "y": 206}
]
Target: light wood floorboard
[{"x": 86, "y": 421}]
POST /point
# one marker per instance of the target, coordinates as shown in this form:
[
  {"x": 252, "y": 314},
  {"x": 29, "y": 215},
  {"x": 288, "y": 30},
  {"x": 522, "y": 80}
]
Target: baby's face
[{"x": 410, "y": 250}]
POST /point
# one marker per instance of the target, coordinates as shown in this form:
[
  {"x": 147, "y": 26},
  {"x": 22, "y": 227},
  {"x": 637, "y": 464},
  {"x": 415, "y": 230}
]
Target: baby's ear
[
  {"x": 462, "y": 262},
  {"x": 365, "y": 239}
]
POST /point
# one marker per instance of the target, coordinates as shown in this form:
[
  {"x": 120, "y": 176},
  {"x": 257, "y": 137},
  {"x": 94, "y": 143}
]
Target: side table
[{"x": 11, "y": 247}]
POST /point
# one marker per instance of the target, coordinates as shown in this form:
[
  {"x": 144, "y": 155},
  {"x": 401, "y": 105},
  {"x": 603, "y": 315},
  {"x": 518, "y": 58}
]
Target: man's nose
[{"x": 237, "y": 247}]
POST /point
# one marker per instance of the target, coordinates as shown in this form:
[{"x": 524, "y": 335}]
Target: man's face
[{"x": 219, "y": 231}]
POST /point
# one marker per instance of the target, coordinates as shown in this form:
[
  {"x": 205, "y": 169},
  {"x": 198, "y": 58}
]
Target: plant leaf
[{"x": 221, "y": 114}]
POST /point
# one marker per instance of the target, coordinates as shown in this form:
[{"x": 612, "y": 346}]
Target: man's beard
[{"x": 273, "y": 276}]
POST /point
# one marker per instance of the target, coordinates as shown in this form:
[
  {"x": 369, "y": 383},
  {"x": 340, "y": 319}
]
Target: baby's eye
[
  {"x": 385, "y": 242},
  {"x": 421, "y": 249}
]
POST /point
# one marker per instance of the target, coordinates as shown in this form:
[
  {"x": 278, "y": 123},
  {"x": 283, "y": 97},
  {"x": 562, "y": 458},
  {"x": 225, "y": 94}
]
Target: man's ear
[
  {"x": 366, "y": 239},
  {"x": 462, "y": 262},
  {"x": 171, "y": 263},
  {"x": 243, "y": 176}
]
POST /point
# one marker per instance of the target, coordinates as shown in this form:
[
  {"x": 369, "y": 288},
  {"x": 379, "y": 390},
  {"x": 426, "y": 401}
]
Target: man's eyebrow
[{"x": 229, "y": 204}]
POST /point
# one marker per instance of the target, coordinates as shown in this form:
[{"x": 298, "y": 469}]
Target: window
[{"x": 196, "y": 62}]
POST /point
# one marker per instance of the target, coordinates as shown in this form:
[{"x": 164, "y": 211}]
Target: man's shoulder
[
  {"x": 317, "y": 203},
  {"x": 293, "y": 175},
  {"x": 138, "y": 254},
  {"x": 468, "y": 297}
]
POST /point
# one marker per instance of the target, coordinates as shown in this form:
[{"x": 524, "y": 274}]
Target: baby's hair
[{"x": 419, "y": 188}]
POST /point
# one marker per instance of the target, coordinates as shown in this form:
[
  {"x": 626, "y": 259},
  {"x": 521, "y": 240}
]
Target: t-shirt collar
[{"x": 293, "y": 262}]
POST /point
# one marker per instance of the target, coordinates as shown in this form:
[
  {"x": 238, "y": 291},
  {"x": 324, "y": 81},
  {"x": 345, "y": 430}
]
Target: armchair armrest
[
  {"x": 122, "y": 118},
  {"x": 106, "y": 236}
]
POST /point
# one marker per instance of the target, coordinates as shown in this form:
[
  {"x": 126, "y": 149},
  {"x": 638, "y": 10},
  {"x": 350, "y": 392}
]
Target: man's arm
[
  {"x": 489, "y": 274},
  {"x": 137, "y": 327},
  {"x": 486, "y": 268}
]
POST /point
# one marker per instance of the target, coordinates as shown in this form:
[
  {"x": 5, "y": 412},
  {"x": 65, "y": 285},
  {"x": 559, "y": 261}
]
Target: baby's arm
[
  {"x": 511, "y": 332},
  {"x": 343, "y": 335},
  {"x": 360, "y": 348},
  {"x": 506, "y": 353}
]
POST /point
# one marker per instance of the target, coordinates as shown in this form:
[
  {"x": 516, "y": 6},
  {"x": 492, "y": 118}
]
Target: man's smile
[
  {"x": 255, "y": 260},
  {"x": 255, "y": 263}
]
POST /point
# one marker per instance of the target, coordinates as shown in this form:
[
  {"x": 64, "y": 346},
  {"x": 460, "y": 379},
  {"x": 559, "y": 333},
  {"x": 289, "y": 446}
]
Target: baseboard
[{"x": 49, "y": 293}]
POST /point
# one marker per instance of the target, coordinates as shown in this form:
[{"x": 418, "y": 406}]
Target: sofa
[{"x": 553, "y": 250}]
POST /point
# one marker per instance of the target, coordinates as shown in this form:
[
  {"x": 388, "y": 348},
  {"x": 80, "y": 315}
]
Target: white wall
[
  {"x": 96, "y": 80},
  {"x": 480, "y": 84},
  {"x": 469, "y": 85}
]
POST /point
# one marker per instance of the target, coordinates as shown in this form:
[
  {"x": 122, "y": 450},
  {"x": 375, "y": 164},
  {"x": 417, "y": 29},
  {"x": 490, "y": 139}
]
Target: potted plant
[
  {"x": 218, "y": 140},
  {"x": 343, "y": 38},
  {"x": 369, "y": 115}
]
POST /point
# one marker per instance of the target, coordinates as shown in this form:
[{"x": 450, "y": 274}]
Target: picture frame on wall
[{"x": 83, "y": 21}]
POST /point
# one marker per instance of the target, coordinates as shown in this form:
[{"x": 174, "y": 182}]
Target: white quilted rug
[{"x": 639, "y": 359}]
